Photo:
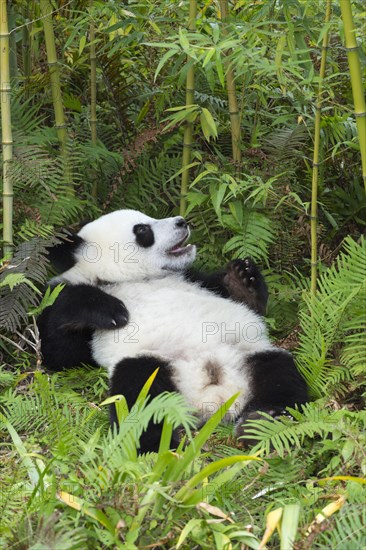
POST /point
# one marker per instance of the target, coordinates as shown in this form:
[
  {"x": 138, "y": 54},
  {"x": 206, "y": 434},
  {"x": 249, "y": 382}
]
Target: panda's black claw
[
  {"x": 111, "y": 314},
  {"x": 120, "y": 316},
  {"x": 120, "y": 320}
]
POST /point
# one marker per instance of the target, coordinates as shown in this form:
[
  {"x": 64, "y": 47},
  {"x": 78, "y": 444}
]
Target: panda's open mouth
[{"x": 179, "y": 248}]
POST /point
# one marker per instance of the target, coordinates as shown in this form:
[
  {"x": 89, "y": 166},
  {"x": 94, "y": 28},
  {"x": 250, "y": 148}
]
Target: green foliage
[
  {"x": 334, "y": 321},
  {"x": 66, "y": 482},
  {"x": 314, "y": 420},
  {"x": 38, "y": 170},
  {"x": 48, "y": 299},
  {"x": 348, "y": 530},
  {"x": 17, "y": 282},
  {"x": 76, "y": 464}
]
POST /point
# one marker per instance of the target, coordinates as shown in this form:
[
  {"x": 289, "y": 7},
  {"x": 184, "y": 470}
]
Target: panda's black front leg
[
  {"x": 128, "y": 379},
  {"x": 242, "y": 281},
  {"x": 246, "y": 284},
  {"x": 84, "y": 306},
  {"x": 66, "y": 327}
]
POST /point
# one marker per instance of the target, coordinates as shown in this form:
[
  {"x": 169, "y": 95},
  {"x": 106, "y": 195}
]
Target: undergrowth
[{"x": 66, "y": 481}]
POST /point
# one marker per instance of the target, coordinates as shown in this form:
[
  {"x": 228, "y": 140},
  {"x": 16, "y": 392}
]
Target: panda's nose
[{"x": 181, "y": 222}]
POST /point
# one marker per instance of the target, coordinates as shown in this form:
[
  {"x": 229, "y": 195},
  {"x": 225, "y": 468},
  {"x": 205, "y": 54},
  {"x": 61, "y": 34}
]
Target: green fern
[
  {"x": 314, "y": 420},
  {"x": 29, "y": 262},
  {"x": 58, "y": 414},
  {"x": 253, "y": 239},
  {"x": 286, "y": 144},
  {"x": 151, "y": 186},
  {"x": 346, "y": 530},
  {"x": 334, "y": 319}
]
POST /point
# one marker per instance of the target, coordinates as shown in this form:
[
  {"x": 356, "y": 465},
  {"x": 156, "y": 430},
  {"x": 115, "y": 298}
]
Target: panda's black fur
[{"x": 79, "y": 327}]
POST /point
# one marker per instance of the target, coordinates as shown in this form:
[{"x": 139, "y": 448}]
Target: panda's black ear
[{"x": 62, "y": 255}]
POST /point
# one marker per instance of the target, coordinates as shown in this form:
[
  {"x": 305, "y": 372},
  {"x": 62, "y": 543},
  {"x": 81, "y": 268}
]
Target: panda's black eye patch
[{"x": 144, "y": 235}]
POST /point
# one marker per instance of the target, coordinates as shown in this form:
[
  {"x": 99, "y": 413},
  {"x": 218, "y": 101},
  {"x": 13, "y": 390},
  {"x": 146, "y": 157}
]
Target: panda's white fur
[
  {"x": 190, "y": 328},
  {"x": 110, "y": 252},
  {"x": 169, "y": 318}
]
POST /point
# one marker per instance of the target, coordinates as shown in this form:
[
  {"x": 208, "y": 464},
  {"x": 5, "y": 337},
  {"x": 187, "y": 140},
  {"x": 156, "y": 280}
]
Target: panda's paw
[
  {"x": 245, "y": 284},
  {"x": 243, "y": 273},
  {"x": 112, "y": 315}
]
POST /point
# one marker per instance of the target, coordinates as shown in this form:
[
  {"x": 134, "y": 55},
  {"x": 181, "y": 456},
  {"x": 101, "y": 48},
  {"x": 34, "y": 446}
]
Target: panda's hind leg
[
  {"x": 275, "y": 384},
  {"x": 128, "y": 379}
]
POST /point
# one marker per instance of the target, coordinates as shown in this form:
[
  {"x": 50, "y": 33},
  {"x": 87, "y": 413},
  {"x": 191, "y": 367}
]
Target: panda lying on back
[{"x": 131, "y": 304}]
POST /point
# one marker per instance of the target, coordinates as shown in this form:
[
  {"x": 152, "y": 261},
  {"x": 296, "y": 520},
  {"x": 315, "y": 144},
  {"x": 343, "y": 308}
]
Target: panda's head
[{"x": 128, "y": 245}]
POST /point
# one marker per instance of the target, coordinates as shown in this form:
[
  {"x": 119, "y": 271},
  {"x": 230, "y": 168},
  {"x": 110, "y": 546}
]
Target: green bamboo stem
[
  {"x": 60, "y": 124},
  {"x": 12, "y": 43},
  {"x": 188, "y": 130},
  {"x": 7, "y": 136},
  {"x": 26, "y": 57},
  {"x": 316, "y": 154},
  {"x": 93, "y": 85},
  {"x": 93, "y": 94},
  {"x": 231, "y": 95},
  {"x": 356, "y": 79}
]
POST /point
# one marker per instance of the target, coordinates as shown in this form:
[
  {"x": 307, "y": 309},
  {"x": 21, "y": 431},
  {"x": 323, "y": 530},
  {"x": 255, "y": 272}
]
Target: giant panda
[{"x": 132, "y": 303}]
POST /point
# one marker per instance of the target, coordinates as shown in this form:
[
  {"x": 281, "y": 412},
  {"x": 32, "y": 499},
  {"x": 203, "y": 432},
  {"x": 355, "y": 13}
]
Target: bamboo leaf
[
  {"x": 289, "y": 525},
  {"x": 208, "y": 124},
  {"x": 32, "y": 470},
  {"x": 209, "y": 470},
  {"x": 184, "y": 42},
  {"x": 48, "y": 299},
  {"x": 272, "y": 521},
  {"x": 146, "y": 388},
  {"x": 214, "y": 511},
  {"x": 164, "y": 60},
  {"x": 81, "y": 506},
  {"x": 360, "y": 480},
  {"x": 82, "y": 44},
  {"x": 209, "y": 56},
  {"x": 186, "y": 530},
  {"x": 219, "y": 68},
  {"x": 218, "y": 197},
  {"x": 330, "y": 509},
  {"x": 196, "y": 444}
]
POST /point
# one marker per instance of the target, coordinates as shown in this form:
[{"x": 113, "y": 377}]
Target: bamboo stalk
[
  {"x": 12, "y": 43},
  {"x": 27, "y": 50},
  {"x": 93, "y": 95},
  {"x": 60, "y": 124},
  {"x": 26, "y": 57},
  {"x": 315, "y": 173},
  {"x": 188, "y": 130},
  {"x": 7, "y": 136},
  {"x": 93, "y": 85},
  {"x": 356, "y": 79},
  {"x": 231, "y": 95}
]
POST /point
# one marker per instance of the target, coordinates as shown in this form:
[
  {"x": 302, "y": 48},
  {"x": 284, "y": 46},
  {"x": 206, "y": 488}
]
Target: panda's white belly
[{"x": 203, "y": 336}]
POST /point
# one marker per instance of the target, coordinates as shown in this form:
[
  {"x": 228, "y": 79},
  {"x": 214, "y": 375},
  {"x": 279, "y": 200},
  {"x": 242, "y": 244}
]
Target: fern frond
[
  {"x": 285, "y": 144},
  {"x": 347, "y": 530},
  {"x": 150, "y": 187},
  {"x": 170, "y": 406},
  {"x": 57, "y": 414},
  {"x": 255, "y": 238},
  {"x": 29, "y": 260},
  {"x": 314, "y": 420},
  {"x": 333, "y": 318}
]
